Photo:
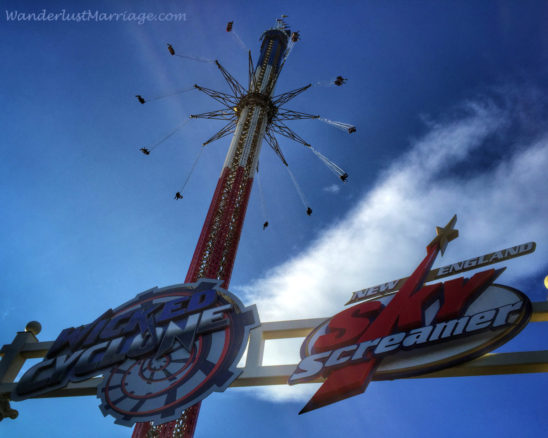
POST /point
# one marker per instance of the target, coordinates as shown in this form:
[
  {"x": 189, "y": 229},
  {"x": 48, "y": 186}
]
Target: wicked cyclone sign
[{"x": 159, "y": 353}]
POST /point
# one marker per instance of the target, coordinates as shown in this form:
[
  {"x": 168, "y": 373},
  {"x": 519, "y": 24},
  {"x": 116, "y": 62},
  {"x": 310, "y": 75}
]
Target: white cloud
[
  {"x": 334, "y": 188},
  {"x": 384, "y": 236}
]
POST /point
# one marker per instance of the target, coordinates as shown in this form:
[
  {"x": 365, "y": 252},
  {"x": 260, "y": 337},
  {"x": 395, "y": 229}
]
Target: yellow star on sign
[{"x": 445, "y": 235}]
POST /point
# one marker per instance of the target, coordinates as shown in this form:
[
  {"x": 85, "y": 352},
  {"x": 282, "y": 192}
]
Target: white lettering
[
  {"x": 389, "y": 285},
  {"x": 482, "y": 260},
  {"x": 496, "y": 256},
  {"x": 311, "y": 366},
  {"x": 337, "y": 357},
  {"x": 470, "y": 263},
  {"x": 502, "y": 313},
  {"x": 444, "y": 270},
  {"x": 389, "y": 343},
  {"x": 417, "y": 336},
  {"x": 511, "y": 251},
  {"x": 480, "y": 320},
  {"x": 446, "y": 329},
  {"x": 363, "y": 347}
]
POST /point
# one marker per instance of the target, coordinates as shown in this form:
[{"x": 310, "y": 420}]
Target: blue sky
[{"x": 449, "y": 99}]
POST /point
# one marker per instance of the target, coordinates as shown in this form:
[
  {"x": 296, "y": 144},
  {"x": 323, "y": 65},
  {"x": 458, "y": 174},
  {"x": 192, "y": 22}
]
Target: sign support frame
[{"x": 26, "y": 346}]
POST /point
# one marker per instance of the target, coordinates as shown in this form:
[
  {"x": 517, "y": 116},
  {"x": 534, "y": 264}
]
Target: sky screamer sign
[{"x": 420, "y": 329}]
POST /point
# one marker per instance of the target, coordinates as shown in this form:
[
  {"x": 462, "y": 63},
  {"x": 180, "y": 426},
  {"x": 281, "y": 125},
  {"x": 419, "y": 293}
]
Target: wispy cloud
[
  {"x": 334, "y": 188},
  {"x": 384, "y": 236}
]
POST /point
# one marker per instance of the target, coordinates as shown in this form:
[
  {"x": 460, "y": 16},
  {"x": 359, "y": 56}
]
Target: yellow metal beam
[{"x": 254, "y": 373}]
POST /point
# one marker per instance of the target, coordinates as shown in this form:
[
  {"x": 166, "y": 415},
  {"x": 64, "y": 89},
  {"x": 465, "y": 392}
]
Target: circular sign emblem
[
  {"x": 189, "y": 342},
  {"x": 159, "y": 353}
]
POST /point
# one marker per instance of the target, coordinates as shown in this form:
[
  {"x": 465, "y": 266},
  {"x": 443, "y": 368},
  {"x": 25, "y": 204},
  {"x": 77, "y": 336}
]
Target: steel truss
[
  {"x": 26, "y": 346},
  {"x": 287, "y": 114},
  {"x": 277, "y": 114},
  {"x": 282, "y": 129},
  {"x": 273, "y": 143},
  {"x": 282, "y": 99},
  {"x": 222, "y": 114},
  {"x": 227, "y": 129},
  {"x": 226, "y": 99},
  {"x": 237, "y": 89}
]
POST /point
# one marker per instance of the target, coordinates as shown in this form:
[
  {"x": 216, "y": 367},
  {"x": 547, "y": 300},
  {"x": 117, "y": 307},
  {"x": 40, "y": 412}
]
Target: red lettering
[
  {"x": 458, "y": 293},
  {"x": 353, "y": 379},
  {"x": 346, "y": 327},
  {"x": 409, "y": 311}
]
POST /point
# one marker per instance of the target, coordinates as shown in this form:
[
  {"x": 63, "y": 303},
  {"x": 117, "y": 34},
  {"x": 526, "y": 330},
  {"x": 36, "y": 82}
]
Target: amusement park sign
[
  {"x": 419, "y": 329},
  {"x": 167, "y": 349},
  {"x": 159, "y": 353}
]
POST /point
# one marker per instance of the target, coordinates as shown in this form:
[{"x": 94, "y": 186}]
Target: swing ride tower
[
  {"x": 250, "y": 114},
  {"x": 216, "y": 249}
]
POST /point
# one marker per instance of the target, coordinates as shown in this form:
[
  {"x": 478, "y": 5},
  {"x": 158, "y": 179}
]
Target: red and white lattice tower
[{"x": 216, "y": 249}]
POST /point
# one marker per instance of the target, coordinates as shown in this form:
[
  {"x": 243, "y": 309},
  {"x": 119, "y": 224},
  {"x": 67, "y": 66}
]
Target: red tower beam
[{"x": 215, "y": 251}]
